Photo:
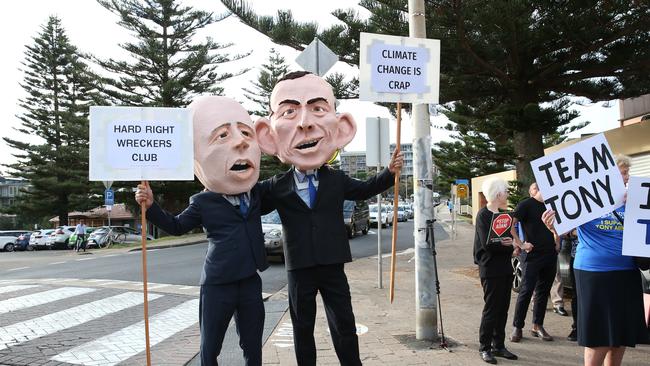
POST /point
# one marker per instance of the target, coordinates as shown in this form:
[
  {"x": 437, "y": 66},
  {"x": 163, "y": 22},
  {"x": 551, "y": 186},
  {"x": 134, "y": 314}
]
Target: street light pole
[{"x": 425, "y": 301}]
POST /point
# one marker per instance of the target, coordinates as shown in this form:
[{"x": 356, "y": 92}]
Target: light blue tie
[
  {"x": 312, "y": 190},
  {"x": 243, "y": 206}
]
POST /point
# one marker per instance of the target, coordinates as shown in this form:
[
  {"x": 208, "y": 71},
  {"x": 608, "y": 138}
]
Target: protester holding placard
[
  {"x": 610, "y": 311},
  {"x": 539, "y": 266},
  {"x": 226, "y": 161},
  {"x": 495, "y": 270}
]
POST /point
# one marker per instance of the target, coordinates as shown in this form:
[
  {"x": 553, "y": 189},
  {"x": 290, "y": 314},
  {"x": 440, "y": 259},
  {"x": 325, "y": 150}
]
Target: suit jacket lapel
[
  {"x": 286, "y": 189},
  {"x": 323, "y": 179}
]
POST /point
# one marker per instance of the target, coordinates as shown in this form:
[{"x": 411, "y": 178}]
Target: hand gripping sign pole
[
  {"x": 395, "y": 205},
  {"x": 115, "y": 157},
  {"x": 143, "y": 230}
]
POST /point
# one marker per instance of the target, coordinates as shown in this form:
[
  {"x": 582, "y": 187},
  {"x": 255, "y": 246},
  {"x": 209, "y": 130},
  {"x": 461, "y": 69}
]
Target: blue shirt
[
  {"x": 301, "y": 183},
  {"x": 600, "y": 245}
]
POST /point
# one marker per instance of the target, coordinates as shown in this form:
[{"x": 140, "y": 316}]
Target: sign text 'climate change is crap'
[
  {"x": 580, "y": 182},
  {"x": 399, "y": 69},
  {"x": 135, "y": 143}
]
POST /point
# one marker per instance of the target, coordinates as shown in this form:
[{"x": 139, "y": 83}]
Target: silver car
[{"x": 272, "y": 228}]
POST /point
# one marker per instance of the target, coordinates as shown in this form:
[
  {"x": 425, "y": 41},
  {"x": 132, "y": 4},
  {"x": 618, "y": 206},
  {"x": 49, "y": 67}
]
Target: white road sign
[
  {"x": 140, "y": 143},
  {"x": 399, "y": 69}
]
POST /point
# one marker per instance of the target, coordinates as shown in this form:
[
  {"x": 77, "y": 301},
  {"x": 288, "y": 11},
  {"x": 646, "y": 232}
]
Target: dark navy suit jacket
[
  {"x": 236, "y": 243},
  {"x": 317, "y": 236}
]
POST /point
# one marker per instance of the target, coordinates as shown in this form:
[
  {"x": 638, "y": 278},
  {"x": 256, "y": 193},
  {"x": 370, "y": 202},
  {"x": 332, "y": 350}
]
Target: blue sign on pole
[
  {"x": 109, "y": 197},
  {"x": 462, "y": 181}
]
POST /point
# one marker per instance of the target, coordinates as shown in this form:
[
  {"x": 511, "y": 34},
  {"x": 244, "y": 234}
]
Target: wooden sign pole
[
  {"x": 143, "y": 216},
  {"x": 395, "y": 201}
]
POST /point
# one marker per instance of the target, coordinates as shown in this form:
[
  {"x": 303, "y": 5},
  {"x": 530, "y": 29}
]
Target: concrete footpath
[{"x": 387, "y": 331}]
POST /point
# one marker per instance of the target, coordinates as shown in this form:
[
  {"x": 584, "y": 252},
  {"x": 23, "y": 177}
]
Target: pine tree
[
  {"x": 168, "y": 68},
  {"x": 60, "y": 88},
  {"x": 529, "y": 54},
  {"x": 270, "y": 73}
]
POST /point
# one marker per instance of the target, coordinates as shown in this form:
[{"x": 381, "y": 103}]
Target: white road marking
[
  {"x": 128, "y": 342},
  {"x": 154, "y": 286},
  {"x": 12, "y": 288},
  {"x": 28, "y": 330},
  {"x": 41, "y": 298},
  {"x": 16, "y": 269},
  {"x": 84, "y": 259},
  {"x": 51, "y": 264}
]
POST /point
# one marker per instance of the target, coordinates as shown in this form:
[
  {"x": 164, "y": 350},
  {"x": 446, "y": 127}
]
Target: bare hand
[
  {"x": 557, "y": 248},
  {"x": 528, "y": 247},
  {"x": 396, "y": 162},
  {"x": 144, "y": 194},
  {"x": 516, "y": 252},
  {"x": 548, "y": 217},
  {"x": 507, "y": 241}
]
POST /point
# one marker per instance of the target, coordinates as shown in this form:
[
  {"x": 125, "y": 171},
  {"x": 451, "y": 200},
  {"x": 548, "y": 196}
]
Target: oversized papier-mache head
[
  {"x": 303, "y": 128},
  {"x": 226, "y": 153}
]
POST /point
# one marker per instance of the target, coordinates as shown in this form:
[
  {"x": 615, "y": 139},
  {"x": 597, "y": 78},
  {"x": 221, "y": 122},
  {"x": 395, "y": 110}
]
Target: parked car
[
  {"x": 38, "y": 239},
  {"x": 73, "y": 238},
  {"x": 272, "y": 228},
  {"x": 8, "y": 239},
  {"x": 60, "y": 237},
  {"x": 22, "y": 242},
  {"x": 356, "y": 216},
  {"x": 385, "y": 218},
  {"x": 401, "y": 214},
  {"x": 98, "y": 237}
]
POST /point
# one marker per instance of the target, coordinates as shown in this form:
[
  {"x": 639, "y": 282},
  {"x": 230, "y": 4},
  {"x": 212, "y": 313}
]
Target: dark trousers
[
  {"x": 538, "y": 275},
  {"x": 331, "y": 282},
  {"x": 496, "y": 294},
  {"x": 218, "y": 304},
  {"x": 574, "y": 299},
  {"x": 80, "y": 243}
]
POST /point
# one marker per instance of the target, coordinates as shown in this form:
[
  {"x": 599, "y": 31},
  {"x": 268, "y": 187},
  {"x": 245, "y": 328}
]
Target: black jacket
[
  {"x": 317, "y": 236},
  {"x": 493, "y": 259},
  {"x": 236, "y": 243}
]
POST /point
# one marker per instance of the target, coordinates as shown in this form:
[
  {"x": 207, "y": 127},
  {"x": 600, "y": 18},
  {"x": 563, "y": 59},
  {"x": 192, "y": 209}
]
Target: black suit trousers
[
  {"x": 496, "y": 294},
  {"x": 331, "y": 282},
  {"x": 538, "y": 276},
  {"x": 218, "y": 304}
]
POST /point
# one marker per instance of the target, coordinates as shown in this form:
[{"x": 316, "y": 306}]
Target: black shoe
[
  {"x": 560, "y": 310},
  {"x": 488, "y": 357},
  {"x": 503, "y": 352},
  {"x": 573, "y": 336}
]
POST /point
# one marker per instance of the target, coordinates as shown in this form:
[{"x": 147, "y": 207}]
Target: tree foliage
[
  {"x": 59, "y": 88},
  {"x": 270, "y": 73},
  {"x": 167, "y": 67},
  {"x": 528, "y": 55}
]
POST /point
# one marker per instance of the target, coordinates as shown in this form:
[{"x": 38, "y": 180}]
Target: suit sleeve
[
  {"x": 265, "y": 195},
  {"x": 175, "y": 225},
  {"x": 362, "y": 190}
]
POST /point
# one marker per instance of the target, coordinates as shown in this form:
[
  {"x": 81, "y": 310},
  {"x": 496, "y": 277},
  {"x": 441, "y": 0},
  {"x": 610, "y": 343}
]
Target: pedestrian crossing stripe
[
  {"x": 28, "y": 330},
  {"x": 40, "y": 298},
  {"x": 128, "y": 342},
  {"x": 12, "y": 288}
]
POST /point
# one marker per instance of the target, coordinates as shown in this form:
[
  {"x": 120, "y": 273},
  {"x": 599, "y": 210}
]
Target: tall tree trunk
[{"x": 528, "y": 146}]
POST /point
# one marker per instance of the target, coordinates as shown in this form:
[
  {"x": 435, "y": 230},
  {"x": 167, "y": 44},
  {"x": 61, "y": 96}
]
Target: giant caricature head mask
[
  {"x": 304, "y": 128},
  {"x": 226, "y": 154}
]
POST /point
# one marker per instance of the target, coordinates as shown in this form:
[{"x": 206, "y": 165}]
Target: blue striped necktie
[
  {"x": 312, "y": 190},
  {"x": 243, "y": 206}
]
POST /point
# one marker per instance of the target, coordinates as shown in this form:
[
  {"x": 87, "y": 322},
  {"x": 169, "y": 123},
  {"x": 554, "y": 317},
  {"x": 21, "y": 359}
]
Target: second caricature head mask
[
  {"x": 303, "y": 128},
  {"x": 226, "y": 153}
]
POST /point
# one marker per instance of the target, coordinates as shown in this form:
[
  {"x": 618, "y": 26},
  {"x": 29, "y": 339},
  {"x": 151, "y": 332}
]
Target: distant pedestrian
[
  {"x": 495, "y": 271},
  {"x": 80, "y": 231}
]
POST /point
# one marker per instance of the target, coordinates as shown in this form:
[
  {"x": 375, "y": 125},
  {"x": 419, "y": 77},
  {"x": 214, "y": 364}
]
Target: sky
[{"x": 93, "y": 29}]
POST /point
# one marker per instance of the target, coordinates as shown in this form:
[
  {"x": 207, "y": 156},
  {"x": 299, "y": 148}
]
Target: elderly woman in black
[{"x": 495, "y": 271}]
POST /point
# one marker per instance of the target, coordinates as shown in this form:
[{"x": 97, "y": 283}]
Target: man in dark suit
[
  {"x": 227, "y": 160},
  {"x": 305, "y": 131}
]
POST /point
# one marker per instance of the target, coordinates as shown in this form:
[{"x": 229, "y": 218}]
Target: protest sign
[
  {"x": 499, "y": 227},
  {"x": 580, "y": 182},
  {"x": 399, "y": 69},
  {"x": 141, "y": 143},
  {"x": 636, "y": 236}
]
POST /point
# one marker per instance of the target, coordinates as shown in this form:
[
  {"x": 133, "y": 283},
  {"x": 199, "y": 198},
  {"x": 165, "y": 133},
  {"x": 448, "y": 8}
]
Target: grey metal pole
[
  {"x": 379, "y": 251},
  {"x": 425, "y": 301}
]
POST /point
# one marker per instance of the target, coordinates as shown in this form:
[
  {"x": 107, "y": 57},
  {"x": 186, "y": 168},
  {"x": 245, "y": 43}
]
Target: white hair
[
  {"x": 623, "y": 161},
  {"x": 492, "y": 187}
]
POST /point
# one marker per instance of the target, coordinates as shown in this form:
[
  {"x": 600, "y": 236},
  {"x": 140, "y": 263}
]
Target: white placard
[
  {"x": 580, "y": 182},
  {"x": 377, "y": 142},
  {"x": 141, "y": 143},
  {"x": 636, "y": 235},
  {"x": 399, "y": 69}
]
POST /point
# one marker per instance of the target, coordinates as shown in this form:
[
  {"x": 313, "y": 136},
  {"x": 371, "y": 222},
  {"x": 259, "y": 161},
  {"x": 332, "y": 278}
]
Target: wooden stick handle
[
  {"x": 395, "y": 201},
  {"x": 143, "y": 217}
]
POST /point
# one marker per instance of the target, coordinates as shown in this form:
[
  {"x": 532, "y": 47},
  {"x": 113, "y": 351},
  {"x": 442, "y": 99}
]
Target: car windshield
[
  {"x": 101, "y": 231},
  {"x": 271, "y": 218},
  {"x": 348, "y": 206}
]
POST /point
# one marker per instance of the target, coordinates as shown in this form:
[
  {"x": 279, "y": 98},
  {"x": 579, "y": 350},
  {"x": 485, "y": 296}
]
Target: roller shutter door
[{"x": 640, "y": 165}]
